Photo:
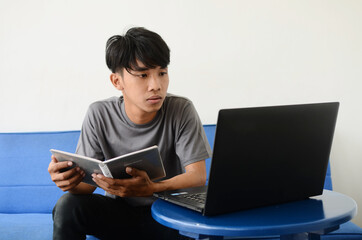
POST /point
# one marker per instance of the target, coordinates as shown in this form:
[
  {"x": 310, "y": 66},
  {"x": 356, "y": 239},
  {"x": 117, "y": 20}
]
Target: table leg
[
  {"x": 301, "y": 236},
  {"x": 200, "y": 236}
]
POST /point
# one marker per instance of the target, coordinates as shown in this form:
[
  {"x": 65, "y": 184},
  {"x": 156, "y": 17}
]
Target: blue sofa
[{"x": 27, "y": 194}]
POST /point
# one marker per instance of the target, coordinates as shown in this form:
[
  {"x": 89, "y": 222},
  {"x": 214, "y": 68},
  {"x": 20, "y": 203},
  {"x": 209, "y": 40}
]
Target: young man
[{"x": 143, "y": 116}]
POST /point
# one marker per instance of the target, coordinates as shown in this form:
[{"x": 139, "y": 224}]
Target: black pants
[{"x": 76, "y": 216}]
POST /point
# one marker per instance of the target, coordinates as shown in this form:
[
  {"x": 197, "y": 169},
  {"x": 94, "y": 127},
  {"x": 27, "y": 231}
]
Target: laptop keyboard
[{"x": 198, "y": 197}]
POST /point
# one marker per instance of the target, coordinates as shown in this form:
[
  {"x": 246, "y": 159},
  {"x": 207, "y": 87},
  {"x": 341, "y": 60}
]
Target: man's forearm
[
  {"x": 195, "y": 175},
  {"x": 180, "y": 181}
]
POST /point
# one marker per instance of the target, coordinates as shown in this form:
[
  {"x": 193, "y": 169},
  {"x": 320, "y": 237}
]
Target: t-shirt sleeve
[
  {"x": 191, "y": 141},
  {"x": 88, "y": 144}
]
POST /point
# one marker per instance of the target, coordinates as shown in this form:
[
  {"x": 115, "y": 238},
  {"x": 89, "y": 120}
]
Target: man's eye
[
  {"x": 144, "y": 75},
  {"x": 163, "y": 73}
]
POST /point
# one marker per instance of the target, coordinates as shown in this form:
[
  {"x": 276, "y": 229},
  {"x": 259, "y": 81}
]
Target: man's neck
[{"x": 139, "y": 117}]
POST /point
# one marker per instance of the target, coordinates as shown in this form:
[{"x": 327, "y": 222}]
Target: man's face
[{"x": 144, "y": 92}]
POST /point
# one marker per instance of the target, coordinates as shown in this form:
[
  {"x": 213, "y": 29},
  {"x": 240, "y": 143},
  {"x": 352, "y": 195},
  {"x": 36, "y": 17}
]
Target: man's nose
[{"x": 154, "y": 83}]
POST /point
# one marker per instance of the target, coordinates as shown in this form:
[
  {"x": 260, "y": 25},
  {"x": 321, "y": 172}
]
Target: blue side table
[{"x": 307, "y": 219}]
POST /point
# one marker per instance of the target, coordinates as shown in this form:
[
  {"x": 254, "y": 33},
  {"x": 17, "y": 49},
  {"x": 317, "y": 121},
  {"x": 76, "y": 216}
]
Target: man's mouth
[{"x": 154, "y": 99}]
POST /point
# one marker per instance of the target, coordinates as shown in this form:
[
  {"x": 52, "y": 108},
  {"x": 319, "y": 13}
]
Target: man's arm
[
  {"x": 195, "y": 175},
  {"x": 69, "y": 180},
  {"x": 140, "y": 184}
]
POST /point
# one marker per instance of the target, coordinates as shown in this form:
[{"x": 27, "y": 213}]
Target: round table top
[{"x": 317, "y": 213}]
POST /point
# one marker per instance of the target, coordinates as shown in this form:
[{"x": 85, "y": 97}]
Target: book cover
[{"x": 148, "y": 160}]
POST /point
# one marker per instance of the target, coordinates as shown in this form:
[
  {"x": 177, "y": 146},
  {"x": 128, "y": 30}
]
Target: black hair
[{"x": 137, "y": 44}]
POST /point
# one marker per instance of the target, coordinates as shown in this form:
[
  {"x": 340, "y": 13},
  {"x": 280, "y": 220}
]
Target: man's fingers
[
  {"x": 57, "y": 166},
  {"x": 66, "y": 179},
  {"x": 106, "y": 183},
  {"x": 110, "y": 185},
  {"x": 65, "y": 175},
  {"x": 135, "y": 172},
  {"x": 54, "y": 160},
  {"x": 102, "y": 180},
  {"x": 70, "y": 182}
]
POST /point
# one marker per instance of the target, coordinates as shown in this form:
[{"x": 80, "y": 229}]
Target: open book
[{"x": 148, "y": 160}]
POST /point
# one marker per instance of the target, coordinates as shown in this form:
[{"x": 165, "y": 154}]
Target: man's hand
[
  {"x": 65, "y": 180},
  {"x": 139, "y": 185}
]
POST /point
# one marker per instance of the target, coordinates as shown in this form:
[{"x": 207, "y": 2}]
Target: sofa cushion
[
  {"x": 26, "y": 226},
  {"x": 347, "y": 230},
  {"x": 28, "y": 199},
  {"x": 25, "y": 184}
]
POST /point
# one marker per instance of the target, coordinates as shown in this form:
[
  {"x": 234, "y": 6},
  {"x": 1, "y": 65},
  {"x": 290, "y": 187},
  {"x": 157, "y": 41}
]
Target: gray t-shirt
[{"x": 107, "y": 132}]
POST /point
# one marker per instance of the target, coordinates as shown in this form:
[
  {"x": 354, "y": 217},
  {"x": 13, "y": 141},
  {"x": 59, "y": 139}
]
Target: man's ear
[{"x": 117, "y": 81}]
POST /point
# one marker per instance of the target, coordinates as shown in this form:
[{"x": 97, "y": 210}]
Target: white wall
[{"x": 224, "y": 54}]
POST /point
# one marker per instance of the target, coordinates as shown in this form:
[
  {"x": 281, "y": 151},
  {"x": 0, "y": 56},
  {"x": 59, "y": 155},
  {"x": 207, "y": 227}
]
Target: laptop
[{"x": 264, "y": 156}]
